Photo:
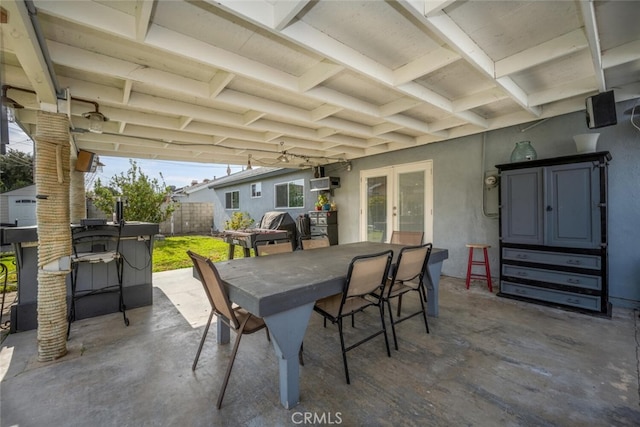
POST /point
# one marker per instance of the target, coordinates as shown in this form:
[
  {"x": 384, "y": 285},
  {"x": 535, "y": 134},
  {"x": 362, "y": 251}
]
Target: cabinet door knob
[{"x": 549, "y": 208}]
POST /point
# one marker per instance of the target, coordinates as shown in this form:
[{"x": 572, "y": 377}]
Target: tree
[
  {"x": 144, "y": 199},
  {"x": 16, "y": 169}
]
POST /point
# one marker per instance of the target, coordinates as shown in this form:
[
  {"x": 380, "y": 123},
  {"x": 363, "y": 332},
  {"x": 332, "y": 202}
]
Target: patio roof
[{"x": 325, "y": 81}]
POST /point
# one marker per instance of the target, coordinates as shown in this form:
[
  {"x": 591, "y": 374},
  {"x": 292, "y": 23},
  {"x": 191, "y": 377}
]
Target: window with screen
[
  {"x": 232, "y": 200},
  {"x": 256, "y": 190},
  {"x": 290, "y": 194}
]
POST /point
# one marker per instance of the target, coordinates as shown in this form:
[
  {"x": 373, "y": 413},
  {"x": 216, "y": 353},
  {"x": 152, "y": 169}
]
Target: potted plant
[{"x": 323, "y": 202}]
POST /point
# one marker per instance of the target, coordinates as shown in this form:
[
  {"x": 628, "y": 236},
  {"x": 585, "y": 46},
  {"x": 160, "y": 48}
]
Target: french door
[{"x": 396, "y": 198}]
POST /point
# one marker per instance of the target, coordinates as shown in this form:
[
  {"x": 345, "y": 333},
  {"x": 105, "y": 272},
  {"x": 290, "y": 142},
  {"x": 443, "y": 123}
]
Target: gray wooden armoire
[{"x": 553, "y": 232}]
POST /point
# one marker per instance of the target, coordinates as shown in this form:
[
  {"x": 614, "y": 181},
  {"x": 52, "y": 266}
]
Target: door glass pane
[
  {"x": 410, "y": 201},
  {"x": 376, "y": 208}
]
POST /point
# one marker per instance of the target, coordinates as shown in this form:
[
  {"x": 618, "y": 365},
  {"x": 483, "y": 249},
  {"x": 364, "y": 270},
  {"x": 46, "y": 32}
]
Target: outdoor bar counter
[{"x": 136, "y": 246}]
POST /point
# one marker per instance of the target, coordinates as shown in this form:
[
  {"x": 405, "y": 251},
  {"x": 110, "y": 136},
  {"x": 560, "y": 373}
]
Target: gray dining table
[{"x": 283, "y": 288}]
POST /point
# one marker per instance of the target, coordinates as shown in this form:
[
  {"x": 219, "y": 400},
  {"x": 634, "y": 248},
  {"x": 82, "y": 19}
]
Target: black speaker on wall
[{"x": 601, "y": 110}]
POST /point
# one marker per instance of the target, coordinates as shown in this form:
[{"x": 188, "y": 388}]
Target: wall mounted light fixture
[{"x": 96, "y": 118}]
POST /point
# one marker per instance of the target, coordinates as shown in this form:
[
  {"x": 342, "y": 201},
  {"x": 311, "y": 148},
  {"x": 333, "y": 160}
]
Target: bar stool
[{"x": 484, "y": 262}]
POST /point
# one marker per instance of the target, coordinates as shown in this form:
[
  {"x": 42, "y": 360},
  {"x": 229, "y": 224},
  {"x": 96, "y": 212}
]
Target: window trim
[
  {"x": 255, "y": 194},
  {"x": 231, "y": 208},
  {"x": 299, "y": 181}
]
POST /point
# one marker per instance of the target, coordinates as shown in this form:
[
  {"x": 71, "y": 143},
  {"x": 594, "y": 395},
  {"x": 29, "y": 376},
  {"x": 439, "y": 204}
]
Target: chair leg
[
  {"x": 344, "y": 351},
  {"x": 393, "y": 325},
  {"x": 268, "y": 336},
  {"x": 487, "y": 269},
  {"x": 204, "y": 336},
  {"x": 72, "y": 309},
  {"x": 399, "y": 305},
  {"x": 384, "y": 328},
  {"x": 469, "y": 264},
  {"x": 428, "y": 277},
  {"x": 233, "y": 358},
  {"x": 300, "y": 358},
  {"x": 421, "y": 293}
]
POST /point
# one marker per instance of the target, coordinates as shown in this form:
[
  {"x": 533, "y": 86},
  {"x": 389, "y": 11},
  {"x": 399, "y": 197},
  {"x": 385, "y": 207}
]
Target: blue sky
[{"x": 179, "y": 174}]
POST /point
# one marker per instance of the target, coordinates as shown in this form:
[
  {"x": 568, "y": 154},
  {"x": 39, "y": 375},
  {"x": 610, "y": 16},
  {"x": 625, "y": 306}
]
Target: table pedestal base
[{"x": 287, "y": 330}]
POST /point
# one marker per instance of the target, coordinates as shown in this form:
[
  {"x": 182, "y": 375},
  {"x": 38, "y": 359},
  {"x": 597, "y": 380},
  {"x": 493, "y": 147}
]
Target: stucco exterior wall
[
  {"x": 458, "y": 171},
  {"x": 256, "y": 207}
]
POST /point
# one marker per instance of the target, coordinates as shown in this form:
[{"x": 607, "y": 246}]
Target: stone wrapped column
[{"x": 54, "y": 232}]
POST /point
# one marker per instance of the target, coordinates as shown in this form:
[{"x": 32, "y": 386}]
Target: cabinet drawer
[
  {"x": 323, "y": 217},
  {"x": 318, "y": 229},
  {"x": 559, "y": 297},
  {"x": 558, "y": 277},
  {"x": 555, "y": 258}
]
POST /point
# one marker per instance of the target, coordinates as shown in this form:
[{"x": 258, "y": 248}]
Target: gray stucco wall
[
  {"x": 256, "y": 207},
  {"x": 458, "y": 172}
]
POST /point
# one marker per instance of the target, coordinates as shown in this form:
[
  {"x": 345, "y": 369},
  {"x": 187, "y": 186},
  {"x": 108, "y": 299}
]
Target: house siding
[
  {"x": 23, "y": 213},
  {"x": 256, "y": 207}
]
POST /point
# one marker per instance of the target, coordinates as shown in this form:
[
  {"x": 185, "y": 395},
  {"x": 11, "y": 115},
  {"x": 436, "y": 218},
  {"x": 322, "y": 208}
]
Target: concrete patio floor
[{"x": 488, "y": 361}]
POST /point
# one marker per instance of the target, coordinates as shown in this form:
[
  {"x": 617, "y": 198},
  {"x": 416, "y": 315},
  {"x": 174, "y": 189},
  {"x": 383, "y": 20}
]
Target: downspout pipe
[{"x": 33, "y": 15}]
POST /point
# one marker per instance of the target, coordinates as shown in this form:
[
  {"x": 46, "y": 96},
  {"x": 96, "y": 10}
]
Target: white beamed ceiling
[{"x": 215, "y": 81}]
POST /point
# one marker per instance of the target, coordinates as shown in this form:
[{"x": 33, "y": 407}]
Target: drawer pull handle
[
  {"x": 575, "y": 281},
  {"x": 573, "y": 301},
  {"x": 522, "y": 273},
  {"x": 573, "y": 261},
  {"x": 521, "y": 291},
  {"x": 521, "y": 256}
]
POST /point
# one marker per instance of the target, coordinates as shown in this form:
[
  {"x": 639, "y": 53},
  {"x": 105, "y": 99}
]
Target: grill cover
[{"x": 280, "y": 221}]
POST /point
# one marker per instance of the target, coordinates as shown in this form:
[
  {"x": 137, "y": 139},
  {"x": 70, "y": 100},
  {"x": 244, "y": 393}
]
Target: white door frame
[{"x": 391, "y": 173}]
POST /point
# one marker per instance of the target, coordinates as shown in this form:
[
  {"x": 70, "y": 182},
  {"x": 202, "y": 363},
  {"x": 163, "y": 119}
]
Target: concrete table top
[{"x": 268, "y": 285}]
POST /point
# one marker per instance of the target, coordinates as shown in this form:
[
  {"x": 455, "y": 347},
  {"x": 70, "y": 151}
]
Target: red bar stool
[{"x": 484, "y": 262}]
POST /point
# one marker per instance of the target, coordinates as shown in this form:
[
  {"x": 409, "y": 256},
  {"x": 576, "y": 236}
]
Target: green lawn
[
  {"x": 171, "y": 253},
  {"x": 9, "y": 261},
  {"x": 168, "y": 254}
]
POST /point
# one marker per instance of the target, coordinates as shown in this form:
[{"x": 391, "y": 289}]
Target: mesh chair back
[
  {"x": 214, "y": 288},
  {"x": 274, "y": 248},
  {"x": 407, "y": 237},
  {"x": 367, "y": 273},
  {"x": 322, "y": 242},
  {"x": 412, "y": 261}
]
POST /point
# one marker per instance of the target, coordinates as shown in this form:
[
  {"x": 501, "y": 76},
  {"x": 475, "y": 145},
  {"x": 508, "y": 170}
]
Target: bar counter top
[{"x": 30, "y": 233}]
